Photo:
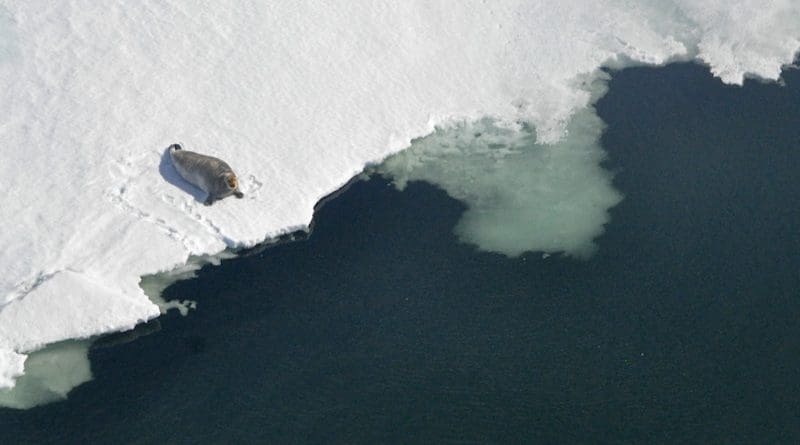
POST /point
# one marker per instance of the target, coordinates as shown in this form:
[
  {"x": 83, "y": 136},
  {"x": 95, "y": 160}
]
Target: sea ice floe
[{"x": 300, "y": 97}]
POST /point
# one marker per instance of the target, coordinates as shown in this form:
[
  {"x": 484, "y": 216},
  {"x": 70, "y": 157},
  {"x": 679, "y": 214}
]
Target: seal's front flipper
[
  {"x": 210, "y": 200},
  {"x": 239, "y": 195}
]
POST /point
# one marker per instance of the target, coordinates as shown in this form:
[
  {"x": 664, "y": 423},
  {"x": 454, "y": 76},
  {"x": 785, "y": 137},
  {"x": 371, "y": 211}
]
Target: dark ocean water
[{"x": 382, "y": 328}]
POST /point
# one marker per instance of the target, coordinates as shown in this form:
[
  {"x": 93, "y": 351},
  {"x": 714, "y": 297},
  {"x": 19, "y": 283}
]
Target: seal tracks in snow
[
  {"x": 116, "y": 195},
  {"x": 192, "y": 210},
  {"x": 252, "y": 187},
  {"x": 127, "y": 170}
]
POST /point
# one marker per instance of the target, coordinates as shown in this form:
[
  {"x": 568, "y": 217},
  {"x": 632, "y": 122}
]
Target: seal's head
[{"x": 233, "y": 185}]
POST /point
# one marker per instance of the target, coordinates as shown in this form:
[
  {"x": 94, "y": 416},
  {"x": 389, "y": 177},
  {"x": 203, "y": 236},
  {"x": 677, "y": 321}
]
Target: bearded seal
[{"x": 212, "y": 175}]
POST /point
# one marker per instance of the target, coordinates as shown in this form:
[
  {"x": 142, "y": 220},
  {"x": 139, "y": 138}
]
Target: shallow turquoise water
[{"x": 382, "y": 327}]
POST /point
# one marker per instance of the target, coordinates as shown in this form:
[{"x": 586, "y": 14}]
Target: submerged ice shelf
[{"x": 298, "y": 99}]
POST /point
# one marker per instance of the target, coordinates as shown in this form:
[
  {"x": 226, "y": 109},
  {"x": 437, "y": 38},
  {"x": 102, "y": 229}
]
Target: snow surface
[{"x": 298, "y": 97}]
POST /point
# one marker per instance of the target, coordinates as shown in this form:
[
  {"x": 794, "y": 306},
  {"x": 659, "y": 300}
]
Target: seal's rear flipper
[{"x": 175, "y": 147}]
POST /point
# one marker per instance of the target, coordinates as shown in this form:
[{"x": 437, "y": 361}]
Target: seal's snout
[
  {"x": 233, "y": 183},
  {"x": 175, "y": 147}
]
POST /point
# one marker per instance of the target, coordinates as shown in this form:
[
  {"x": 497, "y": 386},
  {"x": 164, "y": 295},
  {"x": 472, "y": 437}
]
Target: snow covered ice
[{"x": 298, "y": 98}]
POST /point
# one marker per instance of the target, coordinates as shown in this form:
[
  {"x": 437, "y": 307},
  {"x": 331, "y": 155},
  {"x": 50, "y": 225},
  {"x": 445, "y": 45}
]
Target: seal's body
[{"x": 213, "y": 176}]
